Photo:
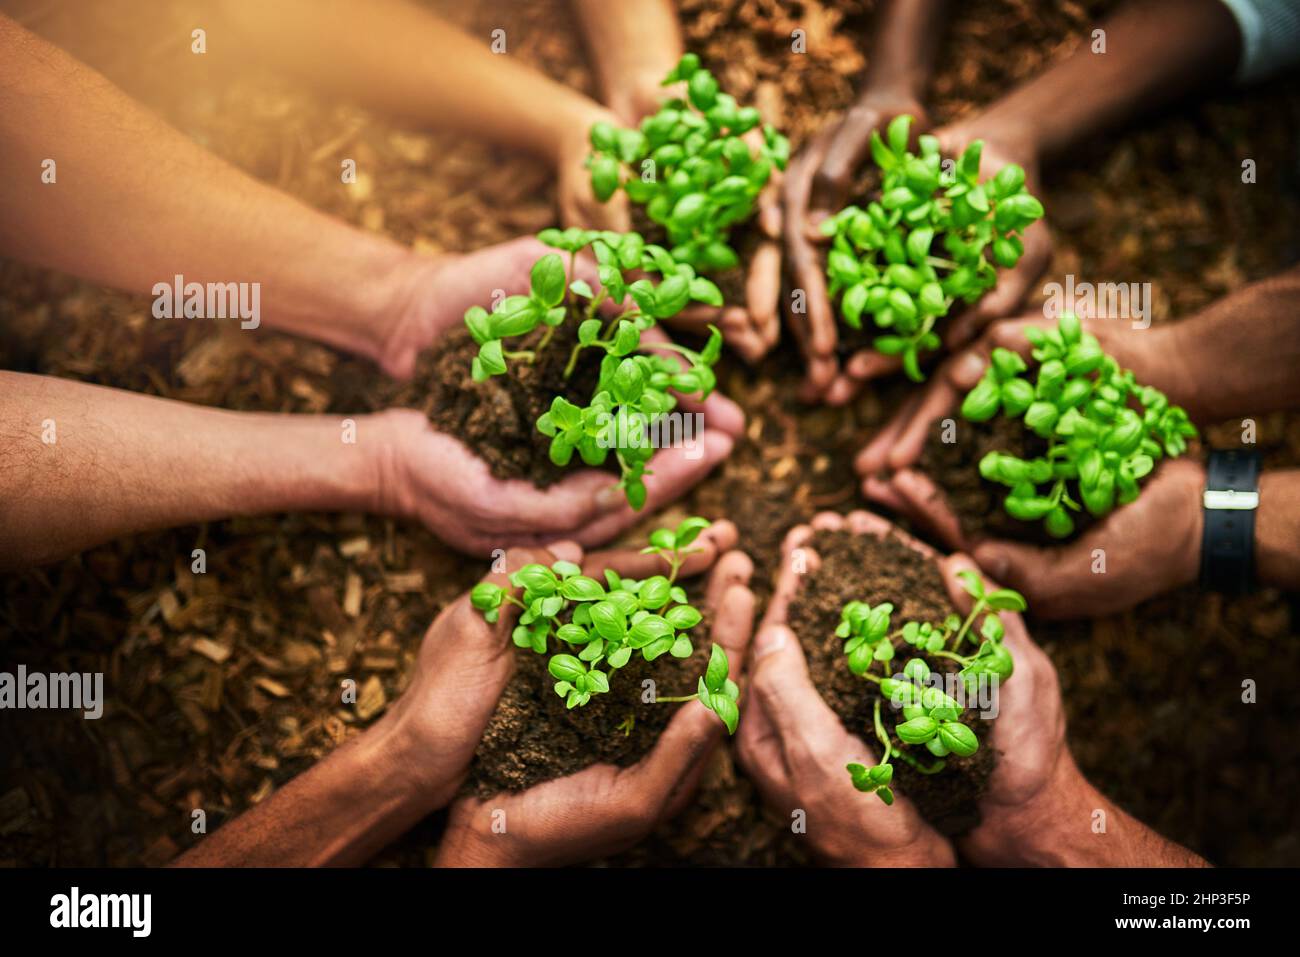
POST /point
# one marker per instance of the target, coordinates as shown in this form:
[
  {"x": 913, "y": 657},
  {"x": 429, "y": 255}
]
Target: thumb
[{"x": 1039, "y": 573}]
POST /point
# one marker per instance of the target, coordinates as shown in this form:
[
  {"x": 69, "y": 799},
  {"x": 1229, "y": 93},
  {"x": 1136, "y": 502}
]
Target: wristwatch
[{"x": 1230, "y": 499}]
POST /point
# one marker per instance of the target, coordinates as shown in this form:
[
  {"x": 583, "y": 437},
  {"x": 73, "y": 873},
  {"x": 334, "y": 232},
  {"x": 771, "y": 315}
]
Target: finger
[
  {"x": 797, "y": 560},
  {"x": 868, "y": 364},
  {"x": 929, "y": 506},
  {"x": 882, "y": 492},
  {"x": 780, "y": 684},
  {"x": 828, "y": 522},
  {"x": 762, "y": 290},
  {"x": 758, "y": 748},
  {"x": 874, "y": 457},
  {"x": 733, "y": 568},
  {"x": 718, "y": 538},
  {"x": 670, "y": 475},
  {"x": 1045, "y": 576},
  {"x": 844, "y": 154},
  {"x": 740, "y": 334}
]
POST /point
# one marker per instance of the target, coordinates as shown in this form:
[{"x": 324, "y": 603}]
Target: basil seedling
[
  {"x": 1104, "y": 431},
  {"x": 689, "y": 167},
  {"x": 931, "y": 717},
  {"x": 596, "y": 628},
  {"x": 632, "y": 394},
  {"x": 932, "y": 238}
]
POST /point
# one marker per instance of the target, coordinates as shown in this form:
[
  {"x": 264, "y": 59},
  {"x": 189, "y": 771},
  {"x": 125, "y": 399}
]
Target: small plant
[
  {"x": 689, "y": 167},
  {"x": 932, "y": 238},
  {"x": 1082, "y": 403},
  {"x": 593, "y": 625},
  {"x": 632, "y": 393},
  {"x": 931, "y": 717}
]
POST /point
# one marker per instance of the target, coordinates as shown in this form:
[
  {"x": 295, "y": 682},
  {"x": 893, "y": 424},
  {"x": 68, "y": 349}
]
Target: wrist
[
  {"x": 1053, "y": 827},
  {"x": 289, "y": 462}
]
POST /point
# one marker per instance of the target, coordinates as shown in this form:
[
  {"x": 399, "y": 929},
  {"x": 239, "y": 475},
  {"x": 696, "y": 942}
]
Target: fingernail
[{"x": 770, "y": 638}]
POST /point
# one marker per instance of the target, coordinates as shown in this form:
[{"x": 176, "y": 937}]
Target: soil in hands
[
  {"x": 532, "y": 738},
  {"x": 874, "y": 570},
  {"x": 977, "y": 502},
  {"x": 497, "y": 419}
]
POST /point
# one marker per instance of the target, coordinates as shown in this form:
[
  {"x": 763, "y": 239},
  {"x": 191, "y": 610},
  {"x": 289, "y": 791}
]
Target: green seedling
[
  {"x": 594, "y": 629},
  {"x": 632, "y": 393},
  {"x": 1104, "y": 430},
  {"x": 689, "y": 167},
  {"x": 933, "y": 238},
  {"x": 931, "y": 718}
]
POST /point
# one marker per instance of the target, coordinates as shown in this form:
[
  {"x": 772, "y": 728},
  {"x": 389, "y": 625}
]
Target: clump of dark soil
[
  {"x": 977, "y": 502},
  {"x": 532, "y": 737},
  {"x": 875, "y": 570},
  {"x": 498, "y": 418}
]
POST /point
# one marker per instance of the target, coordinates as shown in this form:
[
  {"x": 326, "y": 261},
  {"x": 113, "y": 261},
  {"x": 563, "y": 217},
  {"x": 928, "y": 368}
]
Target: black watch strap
[{"x": 1230, "y": 500}]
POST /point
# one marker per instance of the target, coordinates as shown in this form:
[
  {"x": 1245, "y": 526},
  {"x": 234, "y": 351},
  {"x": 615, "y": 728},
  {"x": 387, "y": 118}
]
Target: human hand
[
  {"x": 462, "y": 667},
  {"x": 795, "y": 748},
  {"x": 1151, "y": 545},
  {"x": 431, "y": 294},
  {"x": 816, "y": 186},
  {"x": 429, "y": 476},
  {"x": 604, "y": 809}
]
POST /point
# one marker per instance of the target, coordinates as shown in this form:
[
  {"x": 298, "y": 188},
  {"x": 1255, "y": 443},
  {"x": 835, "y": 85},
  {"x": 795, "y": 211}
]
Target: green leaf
[
  {"x": 548, "y": 279},
  {"x": 566, "y": 667},
  {"x": 682, "y": 617},
  {"x": 582, "y": 588},
  {"x": 604, "y": 177},
  {"x": 1004, "y": 599},
  {"x": 981, "y": 403},
  {"x": 916, "y": 731},
  {"x": 486, "y": 595},
  {"x": 491, "y": 358},
  {"x": 897, "y": 133},
  {"x": 958, "y": 738},
  {"x": 972, "y": 584},
  {"x": 716, "y": 674},
  {"x": 726, "y": 709}
]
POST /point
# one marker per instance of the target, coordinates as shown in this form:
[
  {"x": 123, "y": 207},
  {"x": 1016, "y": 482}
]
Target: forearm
[
  {"x": 340, "y": 813},
  {"x": 907, "y": 34},
  {"x": 634, "y": 44},
  {"x": 1156, "y": 50},
  {"x": 1069, "y": 823},
  {"x": 1238, "y": 356},
  {"x": 134, "y": 203},
  {"x": 409, "y": 63},
  {"x": 82, "y": 464}
]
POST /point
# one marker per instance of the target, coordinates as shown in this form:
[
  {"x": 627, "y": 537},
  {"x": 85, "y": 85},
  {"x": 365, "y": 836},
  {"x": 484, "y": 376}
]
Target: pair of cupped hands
[{"x": 789, "y": 741}]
